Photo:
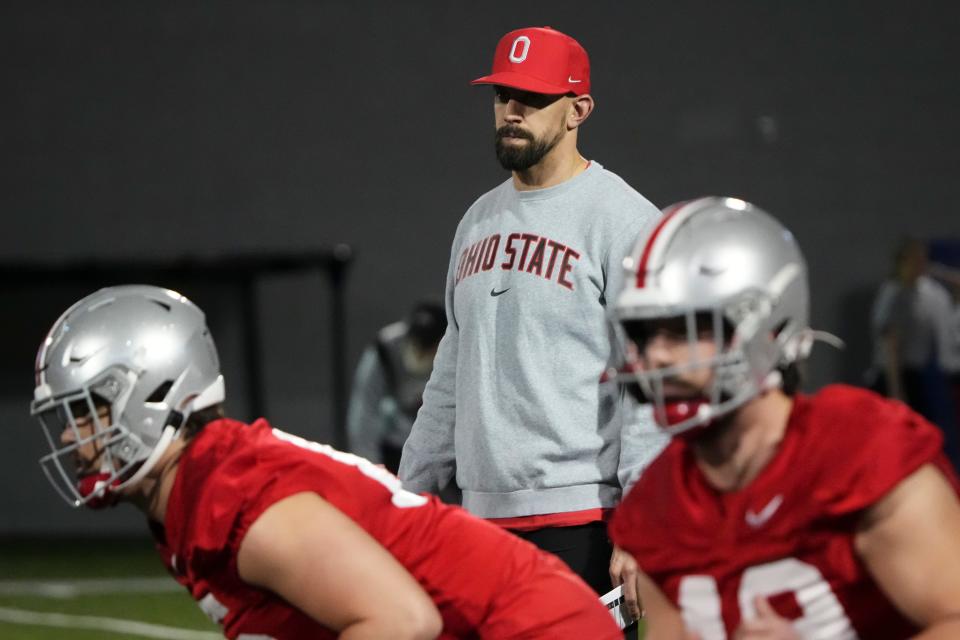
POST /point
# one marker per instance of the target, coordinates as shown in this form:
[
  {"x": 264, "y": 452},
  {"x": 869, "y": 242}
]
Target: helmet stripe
[{"x": 648, "y": 249}]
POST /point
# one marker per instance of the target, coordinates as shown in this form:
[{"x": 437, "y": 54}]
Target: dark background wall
[{"x": 150, "y": 130}]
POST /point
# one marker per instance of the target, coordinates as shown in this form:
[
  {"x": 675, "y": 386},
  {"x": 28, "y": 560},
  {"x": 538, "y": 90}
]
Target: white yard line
[
  {"x": 97, "y": 623},
  {"x": 93, "y": 586}
]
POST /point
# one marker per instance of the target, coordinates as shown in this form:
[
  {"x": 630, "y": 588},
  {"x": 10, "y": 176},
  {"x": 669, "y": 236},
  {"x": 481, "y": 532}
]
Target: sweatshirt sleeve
[
  {"x": 428, "y": 462},
  {"x": 640, "y": 439}
]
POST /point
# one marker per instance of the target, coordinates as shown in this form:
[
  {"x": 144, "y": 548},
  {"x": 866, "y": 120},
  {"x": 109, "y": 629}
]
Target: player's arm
[
  {"x": 663, "y": 620},
  {"x": 428, "y": 461},
  {"x": 320, "y": 561},
  {"x": 910, "y": 542}
]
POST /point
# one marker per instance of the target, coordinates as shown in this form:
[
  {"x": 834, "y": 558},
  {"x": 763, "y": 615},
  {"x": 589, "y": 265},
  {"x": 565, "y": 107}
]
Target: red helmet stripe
[{"x": 647, "y": 250}]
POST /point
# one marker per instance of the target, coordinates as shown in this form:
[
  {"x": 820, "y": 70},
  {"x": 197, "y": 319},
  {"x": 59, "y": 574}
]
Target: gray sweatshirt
[{"x": 514, "y": 407}]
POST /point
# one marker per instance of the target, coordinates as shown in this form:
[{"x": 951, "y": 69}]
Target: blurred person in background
[
  {"x": 914, "y": 355},
  {"x": 274, "y": 536},
  {"x": 388, "y": 385},
  {"x": 773, "y": 513}
]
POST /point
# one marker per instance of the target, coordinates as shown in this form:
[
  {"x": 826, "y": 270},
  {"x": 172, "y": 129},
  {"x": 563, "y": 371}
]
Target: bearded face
[
  {"x": 528, "y": 126},
  {"x": 518, "y": 149}
]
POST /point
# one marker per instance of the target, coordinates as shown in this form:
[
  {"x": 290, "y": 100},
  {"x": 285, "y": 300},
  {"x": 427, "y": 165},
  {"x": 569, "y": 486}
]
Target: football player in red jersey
[
  {"x": 274, "y": 536},
  {"x": 771, "y": 514}
]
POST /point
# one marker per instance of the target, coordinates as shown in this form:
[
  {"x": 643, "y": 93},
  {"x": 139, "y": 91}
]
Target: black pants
[
  {"x": 585, "y": 548},
  {"x": 391, "y": 457}
]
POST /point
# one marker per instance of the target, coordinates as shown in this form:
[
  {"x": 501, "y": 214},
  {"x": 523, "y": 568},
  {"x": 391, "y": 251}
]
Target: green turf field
[
  {"x": 54, "y": 577},
  {"x": 71, "y": 568}
]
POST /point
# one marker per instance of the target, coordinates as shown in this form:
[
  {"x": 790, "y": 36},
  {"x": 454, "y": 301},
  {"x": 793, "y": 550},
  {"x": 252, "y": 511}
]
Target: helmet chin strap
[
  {"x": 796, "y": 350},
  {"x": 103, "y": 486},
  {"x": 676, "y": 412},
  {"x": 800, "y": 346},
  {"x": 96, "y": 490}
]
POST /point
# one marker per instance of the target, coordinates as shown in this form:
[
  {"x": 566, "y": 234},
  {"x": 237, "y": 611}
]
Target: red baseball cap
[{"x": 541, "y": 60}]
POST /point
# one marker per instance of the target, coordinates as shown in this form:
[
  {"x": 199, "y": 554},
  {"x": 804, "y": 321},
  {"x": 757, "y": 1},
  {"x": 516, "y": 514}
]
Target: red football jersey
[
  {"x": 789, "y": 534},
  {"x": 484, "y": 581}
]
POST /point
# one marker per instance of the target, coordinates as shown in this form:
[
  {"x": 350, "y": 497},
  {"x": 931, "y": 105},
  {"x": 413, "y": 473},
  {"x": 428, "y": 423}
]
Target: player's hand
[
  {"x": 623, "y": 570},
  {"x": 768, "y": 625}
]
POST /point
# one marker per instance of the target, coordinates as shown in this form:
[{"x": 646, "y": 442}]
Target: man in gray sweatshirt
[{"x": 515, "y": 411}]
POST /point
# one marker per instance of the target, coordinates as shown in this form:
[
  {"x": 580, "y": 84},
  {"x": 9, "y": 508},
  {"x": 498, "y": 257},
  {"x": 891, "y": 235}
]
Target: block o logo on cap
[
  {"x": 523, "y": 41},
  {"x": 557, "y": 66}
]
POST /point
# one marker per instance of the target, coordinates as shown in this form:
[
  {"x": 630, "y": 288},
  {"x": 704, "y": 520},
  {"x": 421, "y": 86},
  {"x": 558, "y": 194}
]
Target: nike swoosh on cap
[
  {"x": 571, "y": 80},
  {"x": 495, "y": 293}
]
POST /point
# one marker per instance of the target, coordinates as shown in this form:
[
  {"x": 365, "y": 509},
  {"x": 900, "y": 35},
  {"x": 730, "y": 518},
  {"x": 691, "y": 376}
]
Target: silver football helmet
[
  {"x": 723, "y": 266},
  {"x": 142, "y": 352}
]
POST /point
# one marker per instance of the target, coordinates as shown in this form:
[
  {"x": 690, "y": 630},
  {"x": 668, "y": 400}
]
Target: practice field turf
[
  {"x": 93, "y": 590},
  {"x": 101, "y": 582}
]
